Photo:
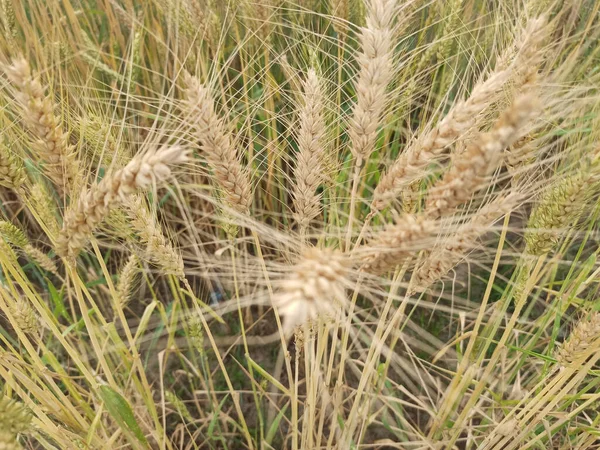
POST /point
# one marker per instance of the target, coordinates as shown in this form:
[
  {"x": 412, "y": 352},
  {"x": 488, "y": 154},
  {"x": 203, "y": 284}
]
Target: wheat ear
[
  {"x": 127, "y": 280},
  {"x": 38, "y": 114},
  {"x": 315, "y": 287},
  {"x": 12, "y": 172},
  {"x": 308, "y": 171},
  {"x": 582, "y": 338},
  {"x": 140, "y": 173},
  {"x": 396, "y": 243},
  {"x": 158, "y": 248},
  {"x": 457, "y": 246},
  {"x": 15, "y": 419},
  {"x": 17, "y": 238},
  {"x": 217, "y": 146},
  {"x": 375, "y": 73},
  {"x": 410, "y": 165},
  {"x": 560, "y": 207},
  {"x": 470, "y": 168}
]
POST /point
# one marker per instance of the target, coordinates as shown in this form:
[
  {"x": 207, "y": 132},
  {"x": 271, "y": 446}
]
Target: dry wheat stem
[
  {"x": 411, "y": 164},
  {"x": 139, "y": 174},
  {"x": 217, "y": 146},
  {"x": 308, "y": 171},
  {"x": 38, "y": 114}
]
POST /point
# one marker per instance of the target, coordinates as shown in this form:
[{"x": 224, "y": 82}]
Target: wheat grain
[
  {"x": 217, "y": 146},
  {"x": 308, "y": 170},
  {"x": 38, "y": 114},
  {"x": 140, "y": 173}
]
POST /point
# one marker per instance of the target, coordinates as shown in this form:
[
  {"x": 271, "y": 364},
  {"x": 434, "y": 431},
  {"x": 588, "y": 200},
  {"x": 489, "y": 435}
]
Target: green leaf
[{"x": 121, "y": 411}]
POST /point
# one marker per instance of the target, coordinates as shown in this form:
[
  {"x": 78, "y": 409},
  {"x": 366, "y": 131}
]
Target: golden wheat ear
[
  {"x": 217, "y": 145},
  {"x": 315, "y": 286},
  {"x": 411, "y": 165},
  {"x": 311, "y": 146},
  {"x": 51, "y": 141},
  {"x": 471, "y": 168},
  {"x": 139, "y": 174}
]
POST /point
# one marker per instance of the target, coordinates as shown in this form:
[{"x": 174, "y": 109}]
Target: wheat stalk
[
  {"x": 93, "y": 206},
  {"x": 217, "y": 146},
  {"x": 38, "y": 114},
  {"x": 308, "y": 170}
]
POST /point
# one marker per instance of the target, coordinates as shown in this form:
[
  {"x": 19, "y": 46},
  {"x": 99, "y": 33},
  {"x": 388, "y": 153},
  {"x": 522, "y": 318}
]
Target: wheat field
[{"x": 300, "y": 224}]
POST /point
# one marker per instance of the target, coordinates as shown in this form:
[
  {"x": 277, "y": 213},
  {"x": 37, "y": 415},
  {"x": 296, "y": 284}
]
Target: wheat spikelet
[
  {"x": 12, "y": 172},
  {"x": 315, "y": 287},
  {"x": 38, "y": 114},
  {"x": 217, "y": 146},
  {"x": 127, "y": 280},
  {"x": 139, "y": 174},
  {"x": 410, "y": 165},
  {"x": 583, "y": 337},
  {"x": 397, "y": 242},
  {"x": 308, "y": 171},
  {"x": 471, "y": 167},
  {"x": 16, "y": 237},
  {"x": 158, "y": 248},
  {"x": 376, "y": 69},
  {"x": 457, "y": 246},
  {"x": 560, "y": 207}
]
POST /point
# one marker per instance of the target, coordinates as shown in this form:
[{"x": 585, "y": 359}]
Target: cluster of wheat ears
[{"x": 299, "y": 224}]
